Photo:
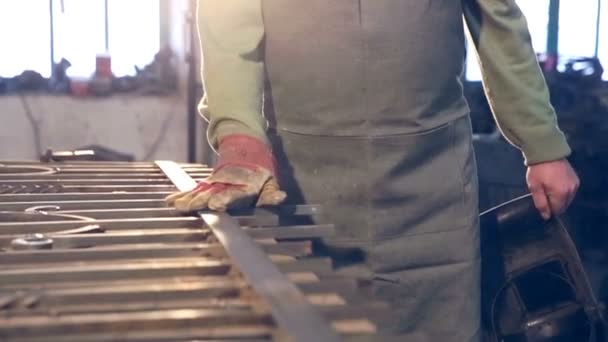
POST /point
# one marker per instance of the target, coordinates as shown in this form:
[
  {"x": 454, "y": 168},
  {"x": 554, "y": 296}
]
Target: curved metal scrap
[{"x": 25, "y": 170}]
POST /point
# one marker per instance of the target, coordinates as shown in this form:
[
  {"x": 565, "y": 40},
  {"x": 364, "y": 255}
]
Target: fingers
[
  {"x": 561, "y": 198},
  {"x": 558, "y": 201},
  {"x": 553, "y": 186},
  {"x": 216, "y": 196},
  {"x": 198, "y": 202},
  {"x": 220, "y": 196},
  {"x": 271, "y": 194},
  {"x": 182, "y": 204},
  {"x": 230, "y": 198},
  {"x": 170, "y": 200},
  {"x": 541, "y": 201}
]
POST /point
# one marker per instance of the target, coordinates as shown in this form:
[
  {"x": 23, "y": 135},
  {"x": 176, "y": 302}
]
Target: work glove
[{"x": 245, "y": 175}]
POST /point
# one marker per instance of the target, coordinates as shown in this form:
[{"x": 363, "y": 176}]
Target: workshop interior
[{"x": 100, "y": 121}]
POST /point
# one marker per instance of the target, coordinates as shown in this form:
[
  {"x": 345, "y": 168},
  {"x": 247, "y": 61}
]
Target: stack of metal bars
[{"x": 89, "y": 251}]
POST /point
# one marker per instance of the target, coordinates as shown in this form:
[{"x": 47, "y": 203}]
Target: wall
[{"x": 147, "y": 127}]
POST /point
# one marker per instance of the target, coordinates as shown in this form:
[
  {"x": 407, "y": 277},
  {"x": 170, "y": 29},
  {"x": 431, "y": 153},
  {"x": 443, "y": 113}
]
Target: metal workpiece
[{"x": 89, "y": 251}]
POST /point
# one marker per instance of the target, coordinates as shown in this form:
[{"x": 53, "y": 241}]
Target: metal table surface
[{"x": 90, "y": 252}]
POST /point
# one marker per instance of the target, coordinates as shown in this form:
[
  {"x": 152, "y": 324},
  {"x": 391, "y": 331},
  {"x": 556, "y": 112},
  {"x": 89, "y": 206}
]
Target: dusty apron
[{"x": 369, "y": 120}]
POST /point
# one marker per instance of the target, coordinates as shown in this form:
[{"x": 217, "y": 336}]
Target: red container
[
  {"x": 103, "y": 67},
  {"x": 79, "y": 87}
]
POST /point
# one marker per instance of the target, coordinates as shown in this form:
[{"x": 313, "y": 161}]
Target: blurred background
[{"x": 120, "y": 75}]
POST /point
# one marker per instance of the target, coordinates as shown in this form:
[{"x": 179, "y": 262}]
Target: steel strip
[
  {"x": 289, "y": 307},
  {"x": 105, "y": 272},
  {"x": 20, "y": 327},
  {"x": 142, "y": 251},
  {"x": 90, "y": 176}
]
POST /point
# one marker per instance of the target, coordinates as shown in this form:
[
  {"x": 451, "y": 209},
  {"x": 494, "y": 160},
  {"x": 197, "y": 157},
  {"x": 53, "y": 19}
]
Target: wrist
[{"x": 245, "y": 151}]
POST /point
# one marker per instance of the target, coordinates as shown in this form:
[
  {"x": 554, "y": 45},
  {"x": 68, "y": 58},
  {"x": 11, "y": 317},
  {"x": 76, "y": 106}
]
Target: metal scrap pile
[{"x": 90, "y": 252}]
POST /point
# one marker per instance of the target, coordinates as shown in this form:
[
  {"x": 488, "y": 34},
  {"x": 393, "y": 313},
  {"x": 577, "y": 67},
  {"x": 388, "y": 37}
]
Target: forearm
[
  {"x": 231, "y": 33},
  {"x": 514, "y": 84}
]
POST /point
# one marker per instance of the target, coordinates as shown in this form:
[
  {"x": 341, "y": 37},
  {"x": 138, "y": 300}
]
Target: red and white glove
[{"x": 245, "y": 175}]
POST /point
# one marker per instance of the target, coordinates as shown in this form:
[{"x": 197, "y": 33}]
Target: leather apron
[{"x": 366, "y": 107}]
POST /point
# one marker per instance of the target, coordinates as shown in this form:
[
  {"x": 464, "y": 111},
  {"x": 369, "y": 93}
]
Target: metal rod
[
  {"x": 141, "y": 251},
  {"x": 553, "y": 28},
  {"x": 125, "y": 322},
  {"x": 52, "y": 33},
  {"x": 106, "y": 25},
  {"x": 226, "y": 333},
  {"x": 292, "y": 312},
  {"x": 192, "y": 71},
  {"x": 598, "y": 27},
  {"x": 96, "y": 176},
  {"x": 83, "y": 196},
  {"x": 110, "y": 271}
]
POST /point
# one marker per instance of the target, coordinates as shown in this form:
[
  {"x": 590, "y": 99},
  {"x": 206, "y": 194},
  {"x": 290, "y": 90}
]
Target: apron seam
[
  {"x": 369, "y": 136},
  {"x": 473, "y": 261},
  {"x": 406, "y": 234}
]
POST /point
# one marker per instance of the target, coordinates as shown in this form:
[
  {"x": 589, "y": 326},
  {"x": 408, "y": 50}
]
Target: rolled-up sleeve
[
  {"x": 514, "y": 84},
  {"x": 231, "y": 35}
]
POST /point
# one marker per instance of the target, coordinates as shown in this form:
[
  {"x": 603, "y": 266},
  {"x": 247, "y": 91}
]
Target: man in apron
[{"x": 357, "y": 105}]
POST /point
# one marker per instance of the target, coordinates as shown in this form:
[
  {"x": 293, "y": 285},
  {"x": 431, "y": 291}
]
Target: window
[
  {"x": 577, "y": 28},
  {"x": 578, "y": 31},
  {"x": 25, "y": 32},
  {"x": 537, "y": 17},
  {"x": 133, "y": 43},
  {"x": 132, "y": 35},
  {"x": 79, "y": 34}
]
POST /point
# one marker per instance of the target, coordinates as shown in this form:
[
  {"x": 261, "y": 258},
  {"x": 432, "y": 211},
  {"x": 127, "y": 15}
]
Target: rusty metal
[
  {"x": 289, "y": 307},
  {"x": 89, "y": 251}
]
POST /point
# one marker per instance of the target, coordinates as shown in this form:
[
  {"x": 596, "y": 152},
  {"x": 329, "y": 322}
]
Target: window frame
[{"x": 552, "y": 42}]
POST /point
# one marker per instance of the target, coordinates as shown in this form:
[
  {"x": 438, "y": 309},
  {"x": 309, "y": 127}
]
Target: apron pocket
[{"x": 423, "y": 183}]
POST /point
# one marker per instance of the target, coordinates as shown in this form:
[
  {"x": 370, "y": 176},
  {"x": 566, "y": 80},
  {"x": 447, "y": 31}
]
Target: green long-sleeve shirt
[{"x": 231, "y": 34}]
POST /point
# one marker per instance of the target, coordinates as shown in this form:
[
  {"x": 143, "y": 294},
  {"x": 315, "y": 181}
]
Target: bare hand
[{"x": 553, "y": 186}]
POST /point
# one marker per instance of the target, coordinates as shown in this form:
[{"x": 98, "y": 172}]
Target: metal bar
[
  {"x": 132, "y": 213},
  {"x": 292, "y": 312},
  {"x": 89, "y": 176},
  {"x": 135, "y": 236},
  {"x": 142, "y": 251},
  {"x": 192, "y": 97},
  {"x": 124, "y": 237},
  {"x": 78, "y": 205},
  {"x": 293, "y": 232},
  {"x": 285, "y": 264},
  {"x": 117, "y": 188},
  {"x": 240, "y": 333},
  {"x": 199, "y": 296},
  {"x": 598, "y": 25},
  {"x": 79, "y": 196},
  {"x": 151, "y": 293},
  {"x": 124, "y": 322},
  {"x": 106, "y": 26},
  {"x": 98, "y": 164},
  {"x": 85, "y": 307},
  {"x": 126, "y": 200},
  {"x": 52, "y": 37},
  {"x": 115, "y": 271},
  {"x": 259, "y": 219},
  {"x": 553, "y": 28},
  {"x": 108, "y": 283},
  {"x": 310, "y": 283},
  {"x": 149, "y": 297},
  {"x": 112, "y": 224},
  {"x": 85, "y": 181}
]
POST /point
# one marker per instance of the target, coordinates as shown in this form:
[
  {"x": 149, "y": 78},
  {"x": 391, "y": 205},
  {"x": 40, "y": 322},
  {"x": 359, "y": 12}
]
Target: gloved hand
[{"x": 245, "y": 174}]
